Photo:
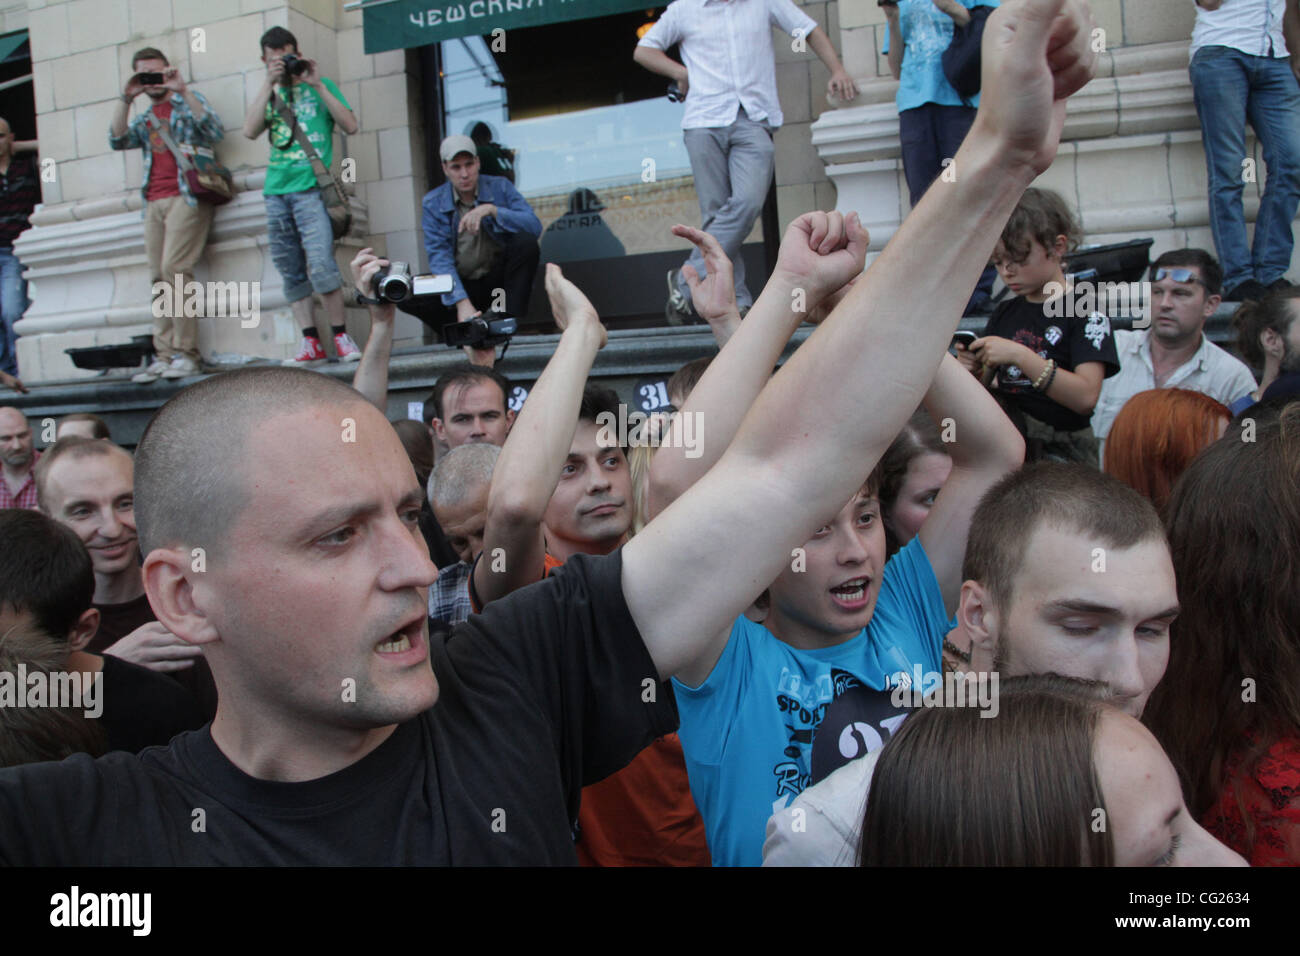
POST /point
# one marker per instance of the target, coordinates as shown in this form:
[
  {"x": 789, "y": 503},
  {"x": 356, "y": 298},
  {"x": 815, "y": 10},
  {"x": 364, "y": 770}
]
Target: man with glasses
[{"x": 1173, "y": 351}]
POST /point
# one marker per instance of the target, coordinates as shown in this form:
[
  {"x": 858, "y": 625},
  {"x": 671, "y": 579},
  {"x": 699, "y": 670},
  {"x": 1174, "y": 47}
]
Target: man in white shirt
[
  {"x": 1241, "y": 69},
  {"x": 729, "y": 81},
  {"x": 1174, "y": 351}
]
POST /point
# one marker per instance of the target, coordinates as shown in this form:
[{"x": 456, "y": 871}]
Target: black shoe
[
  {"x": 1279, "y": 283},
  {"x": 1250, "y": 290}
]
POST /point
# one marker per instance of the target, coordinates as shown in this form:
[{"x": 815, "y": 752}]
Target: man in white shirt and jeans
[
  {"x": 1241, "y": 69},
  {"x": 729, "y": 81},
  {"x": 1174, "y": 352}
]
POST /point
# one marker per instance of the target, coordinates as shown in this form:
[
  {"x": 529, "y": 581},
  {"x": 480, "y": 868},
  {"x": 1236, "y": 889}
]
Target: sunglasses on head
[{"x": 1178, "y": 274}]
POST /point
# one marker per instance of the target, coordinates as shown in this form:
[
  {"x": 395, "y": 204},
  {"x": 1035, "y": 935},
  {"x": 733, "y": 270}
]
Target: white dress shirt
[
  {"x": 1210, "y": 370},
  {"x": 1251, "y": 26},
  {"x": 726, "y": 47}
]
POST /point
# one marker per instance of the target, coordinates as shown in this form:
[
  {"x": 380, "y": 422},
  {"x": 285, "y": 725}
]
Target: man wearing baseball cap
[{"x": 481, "y": 231}]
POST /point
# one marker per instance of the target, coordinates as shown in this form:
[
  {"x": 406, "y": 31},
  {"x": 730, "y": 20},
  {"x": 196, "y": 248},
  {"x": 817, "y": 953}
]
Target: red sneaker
[
  {"x": 309, "y": 353},
  {"x": 346, "y": 348}
]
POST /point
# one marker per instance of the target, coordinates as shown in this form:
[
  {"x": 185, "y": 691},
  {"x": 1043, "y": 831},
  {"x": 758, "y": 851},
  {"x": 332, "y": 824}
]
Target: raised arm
[
  {"x": 819, "y": 254},
  {"x": 344, "y": 117},
  {"x": 529, "y": 466},
  {"x": 371, "y": 378},
  {"x": 984, "y": 446},
  {"x": 830, "y": 413}
]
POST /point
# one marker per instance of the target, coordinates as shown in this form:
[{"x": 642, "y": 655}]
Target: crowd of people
[{"x": 897, "y": 605}]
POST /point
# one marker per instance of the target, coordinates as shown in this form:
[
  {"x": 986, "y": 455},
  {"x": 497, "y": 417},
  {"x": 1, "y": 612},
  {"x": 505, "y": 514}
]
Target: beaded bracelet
[{"x": 1045, "y": 376}]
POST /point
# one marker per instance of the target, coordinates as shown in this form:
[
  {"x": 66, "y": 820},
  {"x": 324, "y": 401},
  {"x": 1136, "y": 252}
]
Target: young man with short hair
[
  {"x": 345, "y": 745},
  {"x": 1174, "y": 351},
  {"x": 176, "y": 223},
  {"x": 1067, "y": 571},
  {"x": 302, "y": 239},
  {"x": 46, "y": 585}
]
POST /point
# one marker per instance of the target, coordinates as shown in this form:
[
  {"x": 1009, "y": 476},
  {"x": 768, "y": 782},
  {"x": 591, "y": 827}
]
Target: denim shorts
[{"x": 302, "y": 243}]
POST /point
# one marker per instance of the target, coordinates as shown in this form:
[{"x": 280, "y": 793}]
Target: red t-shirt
[
  {"x": 643, "y": 815},
  {"x": 1271, "y": 795},
  {"x": 162, "y": 171}
]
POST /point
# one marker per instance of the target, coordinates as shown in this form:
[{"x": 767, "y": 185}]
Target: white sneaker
[
  {"x": 182, "y": 367},
  {"x": 152, "y": 373}
]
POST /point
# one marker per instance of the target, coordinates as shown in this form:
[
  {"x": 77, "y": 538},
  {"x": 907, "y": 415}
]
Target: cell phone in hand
[
  {"x": 964, "y": 337},
  {"x": 149, "y": 79}
]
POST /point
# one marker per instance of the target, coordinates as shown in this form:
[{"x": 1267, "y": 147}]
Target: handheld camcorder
[
  {"x": 394, "y": 283},
  {"x": 481, "y": 332}
]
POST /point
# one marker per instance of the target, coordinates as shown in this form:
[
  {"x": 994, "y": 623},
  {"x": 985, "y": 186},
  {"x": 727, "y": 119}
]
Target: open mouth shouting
[
  {"x": 405, "y": 645},
  {"x": 852, "y": 594}
]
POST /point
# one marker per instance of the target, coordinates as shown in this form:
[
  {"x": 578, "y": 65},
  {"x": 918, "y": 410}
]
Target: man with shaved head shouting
[{"x": 279, "y": 516}]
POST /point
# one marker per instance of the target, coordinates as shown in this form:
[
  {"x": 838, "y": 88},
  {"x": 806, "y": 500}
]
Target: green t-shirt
[{"x": 290, "y": 170}]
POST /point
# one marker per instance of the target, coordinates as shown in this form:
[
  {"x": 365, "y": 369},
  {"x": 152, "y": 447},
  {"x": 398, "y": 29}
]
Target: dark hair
[
  {"x": 920, "y": 436},
  {"x": 1157, "y": 434},
  {"x": 148, "y": 53},
  {"x": 100, "y": 429},
  {"x": 1234, "y": 532},
  {"x": 1040, "y": 216},
  {"x": 419, "y": 446},
  {"x": 44, "y": 569},
  {"x": 684, "y": 380},
  {"x": 1251, "y": 319},
  {"x": 187, "y": 491},
  {"x": 597, "y": 400},
  {"x": 1211, "y": 271},
  {"x": 464, "y": 376},
  {"x": 1072, "y": 497},
  {"x": 73, "y": 447},
  {"x": 37, "y": 734},
  {"x": 277, "y": 38},
  {"x": 952, "y": 788}
]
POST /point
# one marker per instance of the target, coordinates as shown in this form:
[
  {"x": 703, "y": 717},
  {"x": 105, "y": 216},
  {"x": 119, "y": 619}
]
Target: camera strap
[{"x": 324, "y": 178}]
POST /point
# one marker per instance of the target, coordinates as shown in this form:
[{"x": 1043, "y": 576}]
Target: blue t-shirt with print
[
  {"x": 748, "y": 730},
  {"x": 927, "y": 32}
]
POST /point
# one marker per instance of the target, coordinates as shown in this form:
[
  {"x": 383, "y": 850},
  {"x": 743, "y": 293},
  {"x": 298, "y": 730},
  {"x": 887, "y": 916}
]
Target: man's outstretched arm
[
  {"x": 371, "y": 378},
  {"x": 830, "y": 413},
  {"x": 984, "y": 446},
  {"x": 528, "y": 469},
  {"x": 819, "y": 254}
]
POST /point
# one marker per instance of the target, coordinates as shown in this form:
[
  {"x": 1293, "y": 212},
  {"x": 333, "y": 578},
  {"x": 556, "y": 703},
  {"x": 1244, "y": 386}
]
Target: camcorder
[
  {"x": 394, "y": 283},
  {"x": 481, "y": 332},
  {"x": 295, "y": 65},
  {"x": 675, "y": 94}
]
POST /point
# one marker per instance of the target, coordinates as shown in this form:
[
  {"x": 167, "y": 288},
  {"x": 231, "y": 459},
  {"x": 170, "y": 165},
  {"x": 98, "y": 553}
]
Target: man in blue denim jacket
[{"x": 481, "y": 231}]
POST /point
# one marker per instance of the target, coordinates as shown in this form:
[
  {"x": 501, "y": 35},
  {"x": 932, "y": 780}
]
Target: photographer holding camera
[
  {"x": 480, "y": 230},
  {"x": 302, "y": 239},
  {"x": 176, "y": 223}
]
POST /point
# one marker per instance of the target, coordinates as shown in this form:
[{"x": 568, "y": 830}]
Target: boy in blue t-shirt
[{"x": 779, "y": 704}]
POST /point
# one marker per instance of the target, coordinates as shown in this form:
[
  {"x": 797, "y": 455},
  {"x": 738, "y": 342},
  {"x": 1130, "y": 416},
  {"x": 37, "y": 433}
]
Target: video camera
[
  {"x": 394, "y": 283},
  {"x": 481, "y": 332}
]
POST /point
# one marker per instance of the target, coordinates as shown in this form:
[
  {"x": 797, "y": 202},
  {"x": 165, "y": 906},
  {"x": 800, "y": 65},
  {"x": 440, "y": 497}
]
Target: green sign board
[{"x": 406, "y": 23}]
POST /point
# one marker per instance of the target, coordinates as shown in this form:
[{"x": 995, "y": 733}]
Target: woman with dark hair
[
  {"x": 1268, "y": 337},
  {"x": 1228, "y": 710},
  {"x": 1057, "y": 778},
  {"x": 1157, "y": 434},
  {"x": 911, "y": 474}
]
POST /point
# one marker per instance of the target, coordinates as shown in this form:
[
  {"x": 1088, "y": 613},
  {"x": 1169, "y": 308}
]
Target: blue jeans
[
  {"x": 13, "y": 303},
  {"x": 302, "y": 243},
  {"x": 1232, "y": 87}
]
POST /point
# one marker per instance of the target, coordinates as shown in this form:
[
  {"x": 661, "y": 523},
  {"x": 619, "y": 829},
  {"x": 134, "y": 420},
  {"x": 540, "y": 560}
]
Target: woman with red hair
[{"x": 1157, "y": 434}]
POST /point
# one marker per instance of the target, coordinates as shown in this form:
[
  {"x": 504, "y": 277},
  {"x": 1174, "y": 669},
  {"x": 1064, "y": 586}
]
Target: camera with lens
[
  {"x": 393, "y": 283},
  {"x": 481, "y": 332},
  {"x": 294, "y": 65}
]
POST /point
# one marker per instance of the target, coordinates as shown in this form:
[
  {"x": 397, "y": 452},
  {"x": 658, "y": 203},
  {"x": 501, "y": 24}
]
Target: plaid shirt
[
  {"x": 20, "y": 191},
  {"x": 185, "y": 130},
  {"x": 26, "y": 497},
  {"x": 449, "y": 596}
]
